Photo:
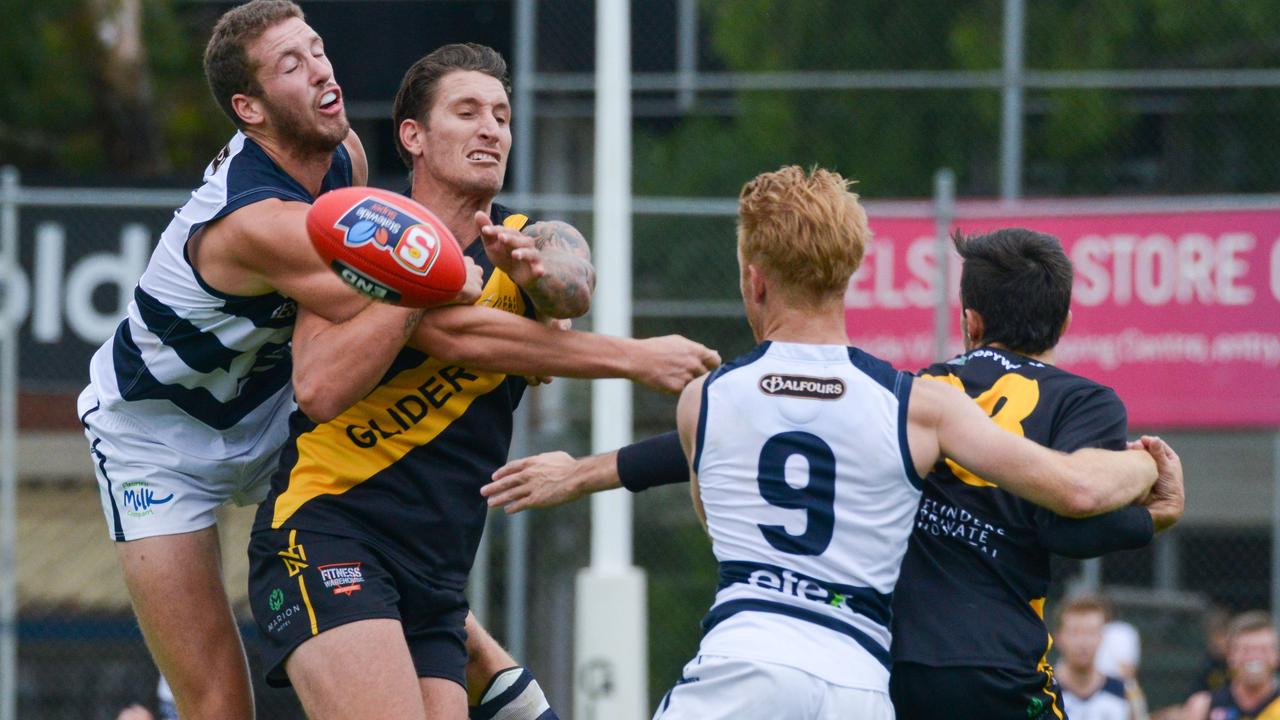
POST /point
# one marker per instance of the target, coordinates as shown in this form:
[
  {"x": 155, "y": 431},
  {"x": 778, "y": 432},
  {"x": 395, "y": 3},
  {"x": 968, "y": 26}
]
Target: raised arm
[
  {"x": 549, "y": 260},
  {"x": 944, "y": 421}
]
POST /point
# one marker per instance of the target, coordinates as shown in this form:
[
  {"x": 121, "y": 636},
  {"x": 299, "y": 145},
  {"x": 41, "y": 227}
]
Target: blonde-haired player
[{"x": 807, "y": 456}]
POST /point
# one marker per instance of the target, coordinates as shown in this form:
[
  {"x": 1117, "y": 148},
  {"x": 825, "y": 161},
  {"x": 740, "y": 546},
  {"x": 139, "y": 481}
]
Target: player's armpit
[{"x": 264, "y": 247}]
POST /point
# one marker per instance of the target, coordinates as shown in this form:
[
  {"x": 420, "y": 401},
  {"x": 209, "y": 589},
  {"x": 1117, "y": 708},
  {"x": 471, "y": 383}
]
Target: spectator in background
[
  {"x": 1087, "y": 693},
  {"x": 1252, "y": 661},
  {"x": 1120, "y": 654},
  {"x": 1213, "y": 673}
]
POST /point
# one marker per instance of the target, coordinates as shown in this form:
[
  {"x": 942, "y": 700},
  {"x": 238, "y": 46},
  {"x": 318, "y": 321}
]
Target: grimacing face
[
  {"x": 467, "y": 137},
  {"x": 1253, "y": 656},
  {"x": 300, "y": 97}
]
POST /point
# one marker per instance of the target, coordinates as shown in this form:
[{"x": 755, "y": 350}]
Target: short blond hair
[
  {"x": 805, "y": 230},
  {"x": 1249, "y": 622}
]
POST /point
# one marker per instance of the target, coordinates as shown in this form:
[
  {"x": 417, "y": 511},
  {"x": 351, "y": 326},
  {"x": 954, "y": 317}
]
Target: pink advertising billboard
[{"x": 1179, "y": 311}]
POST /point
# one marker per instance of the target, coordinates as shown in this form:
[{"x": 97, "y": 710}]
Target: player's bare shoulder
[
  {"x": 359, "y": 160},
  {"x": 687, "y": 411},
  {"x": 235, "y": 253}
]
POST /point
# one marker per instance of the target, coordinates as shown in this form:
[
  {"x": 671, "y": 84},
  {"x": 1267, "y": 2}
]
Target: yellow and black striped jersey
[
  {"x": 403, "y": 467},
  {"x": 976, "y": 572}
]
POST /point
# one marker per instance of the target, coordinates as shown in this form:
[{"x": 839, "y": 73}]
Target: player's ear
[
  {"x": 248, "y": 108},
  {"x": 973, "y": 328},
  {"x": 1066, "y": 324},
  {"x": 411, "y": 135},
  {"x": 756, "y": 283}
]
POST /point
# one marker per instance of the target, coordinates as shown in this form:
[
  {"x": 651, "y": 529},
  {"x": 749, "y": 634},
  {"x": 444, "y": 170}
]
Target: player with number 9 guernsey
[{"x": 807, "y": 457}]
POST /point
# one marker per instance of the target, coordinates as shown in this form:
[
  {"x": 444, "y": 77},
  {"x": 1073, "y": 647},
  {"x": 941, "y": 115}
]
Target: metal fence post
[
  {"x": 611, "y": 644},
  {"x": 944, "y": 210},
  {"x": 1013, "y": 80},
  {"x": 8, "y": 449}
]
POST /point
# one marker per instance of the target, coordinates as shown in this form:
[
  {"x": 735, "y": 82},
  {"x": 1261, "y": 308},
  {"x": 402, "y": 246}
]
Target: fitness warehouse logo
[
  {"x": 802, "y": 386},
  {"x": 342, "y": 578}
]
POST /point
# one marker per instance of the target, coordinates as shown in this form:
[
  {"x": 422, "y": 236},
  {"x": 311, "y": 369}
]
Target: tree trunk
[{"x": 127, "y": 116}]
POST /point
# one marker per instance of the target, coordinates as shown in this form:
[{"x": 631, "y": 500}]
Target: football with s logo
[{"x": 386, "y": 246}]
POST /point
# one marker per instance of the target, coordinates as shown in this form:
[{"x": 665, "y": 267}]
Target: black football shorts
[{"x": 303, "y": 583}]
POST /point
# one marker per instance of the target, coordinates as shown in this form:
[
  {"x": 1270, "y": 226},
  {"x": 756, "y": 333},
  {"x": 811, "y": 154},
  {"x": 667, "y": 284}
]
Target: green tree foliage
[
  {"x": 62, "y": 111},
  {"x": 1077, "y": 141}
]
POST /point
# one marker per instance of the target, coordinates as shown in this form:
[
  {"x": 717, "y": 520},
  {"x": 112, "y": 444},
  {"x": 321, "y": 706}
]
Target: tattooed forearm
[
  {"x": 411, "y": 321},
  {"x": 552, "y": 235},
  {"x": 564, "y": 290}
]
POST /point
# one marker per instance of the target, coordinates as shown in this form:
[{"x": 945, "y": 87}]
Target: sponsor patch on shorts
[{"x": 342, "y": 578}]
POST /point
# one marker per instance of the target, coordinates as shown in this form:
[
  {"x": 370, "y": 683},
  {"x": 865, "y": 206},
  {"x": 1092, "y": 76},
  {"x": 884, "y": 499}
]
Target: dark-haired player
[
  {"x": 361, "y": 551},
  {"x": 983, "y": 549},
  {"x": 969, "y": 633}
]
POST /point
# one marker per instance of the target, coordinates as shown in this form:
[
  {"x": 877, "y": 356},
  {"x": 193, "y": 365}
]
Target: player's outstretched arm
[
  {"x": 555, "y": 478},
  {"x": 549, "y": 260},
  {"x": 496, "y": 341},
  {"x": 943, "y": 421}
]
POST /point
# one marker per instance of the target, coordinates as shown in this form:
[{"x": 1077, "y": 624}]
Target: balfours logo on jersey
[
  {"x": 802, "y": 386},
  {"x": 413, "y": 244}
]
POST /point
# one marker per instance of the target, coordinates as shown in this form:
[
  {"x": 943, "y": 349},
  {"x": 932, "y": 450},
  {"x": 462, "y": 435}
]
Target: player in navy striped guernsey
[
  {"x": 187, "y": 403},
  {"x": 1086, "y": 693}
]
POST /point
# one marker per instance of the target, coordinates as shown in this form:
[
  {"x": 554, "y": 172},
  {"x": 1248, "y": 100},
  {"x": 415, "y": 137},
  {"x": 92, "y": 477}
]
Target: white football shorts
[
  {"x": 148, "y": 488},
  {"x": 712, "y": 687}
]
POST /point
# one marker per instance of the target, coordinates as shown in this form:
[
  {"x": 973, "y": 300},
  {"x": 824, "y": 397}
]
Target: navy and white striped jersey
[
  {"x": 205, "y": 372},
  {"x": 1109, "y": 701},
  {"x": 809, "y": 491}
]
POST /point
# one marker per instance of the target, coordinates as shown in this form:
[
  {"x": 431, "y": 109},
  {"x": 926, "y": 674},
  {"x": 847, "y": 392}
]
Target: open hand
[
  {"x": 511, "y": 251},
  {"x": 538, "y": 481}
]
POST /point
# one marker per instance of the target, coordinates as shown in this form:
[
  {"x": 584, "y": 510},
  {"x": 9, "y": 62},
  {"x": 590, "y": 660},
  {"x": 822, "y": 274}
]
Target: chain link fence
[{"x": 1109, "y": 99}]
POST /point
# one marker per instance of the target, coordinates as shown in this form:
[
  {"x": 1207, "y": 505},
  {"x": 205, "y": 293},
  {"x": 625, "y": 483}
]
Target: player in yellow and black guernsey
[
  {"x": 969, "y": 637},
  {"x": 361, "y": 551},
  {"x": 400, "y": 471}
]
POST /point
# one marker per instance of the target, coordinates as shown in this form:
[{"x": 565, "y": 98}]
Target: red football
[{"x": 386, "y": 246}]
